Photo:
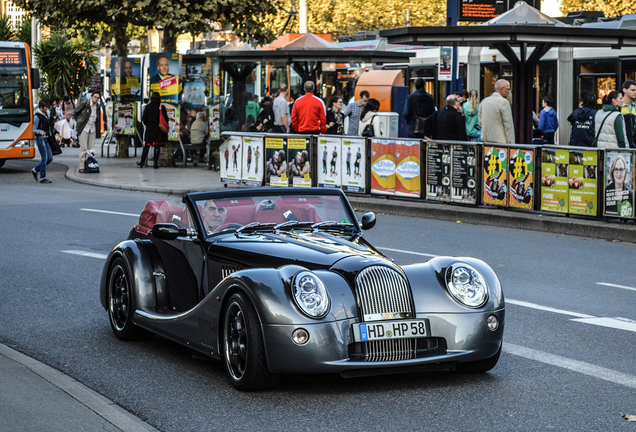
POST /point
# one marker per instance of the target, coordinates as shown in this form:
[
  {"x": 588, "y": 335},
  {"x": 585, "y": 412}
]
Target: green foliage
[
  {"x": 66, "y": 65},
  {"x": 610, "y": 8},
  {"x": 23, "y": 33},
  {"x": 7, "y": 33}
]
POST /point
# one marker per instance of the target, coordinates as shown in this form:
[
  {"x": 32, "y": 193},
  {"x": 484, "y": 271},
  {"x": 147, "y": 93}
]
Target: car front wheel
[
  {"x": 120, "y": 308},
  {"x": 244, "y": 350}
]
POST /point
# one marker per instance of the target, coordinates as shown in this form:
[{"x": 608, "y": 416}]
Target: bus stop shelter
[{"x": 523, "y": 35}]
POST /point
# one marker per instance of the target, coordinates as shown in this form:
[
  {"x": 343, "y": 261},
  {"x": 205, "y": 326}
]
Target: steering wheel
[{"x": 227, "y": 227}]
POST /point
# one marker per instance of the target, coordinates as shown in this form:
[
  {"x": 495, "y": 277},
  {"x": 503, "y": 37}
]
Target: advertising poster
[
  {"x": 554, "y": 180},
  {"x": 583, "y": 182},
  {"x": 521, "y": 179},
  {"x": 354, "y": 176},
  {"x": 173, "y": 121},
  {"x": 407, "y": 169},
  {"x": 110, "y": 114},
  {"x": 252, "y": 161},
  {"x": 299, "y": 166},
  {"x": 164, "y": 70},
  {"x": 383, "y": 166},
  {"x": 445, "y": 68},
  {"x": 619, "y": 184},
  {"x": 125, "y": 119},
  {"x": 230, "y": 153},
  {"x": 464, "y": 174},
  {"x": 112, "y": 66},
  {"x": 130, "y": 84},
  {"x": 276, "y": 162},
  {"x": 438, "y": 171},
  {"x": 495, "y": 176},
  {"x": 194, "y": 94},
  {"x": 329, "y": 166}
]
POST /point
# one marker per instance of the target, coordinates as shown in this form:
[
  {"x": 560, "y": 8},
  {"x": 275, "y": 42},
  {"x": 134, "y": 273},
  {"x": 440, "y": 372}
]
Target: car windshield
[{"x": 275, "y": 212}]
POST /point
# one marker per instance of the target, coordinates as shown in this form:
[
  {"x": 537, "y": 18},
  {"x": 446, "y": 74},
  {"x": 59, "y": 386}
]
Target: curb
[{"x": 108, "y": 410}]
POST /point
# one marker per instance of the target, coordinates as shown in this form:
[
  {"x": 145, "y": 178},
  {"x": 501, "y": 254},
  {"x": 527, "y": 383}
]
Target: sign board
[{"x": 485, "y": 10}]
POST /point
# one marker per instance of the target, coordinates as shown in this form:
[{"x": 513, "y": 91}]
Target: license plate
[{"x": 384, "y": 330}]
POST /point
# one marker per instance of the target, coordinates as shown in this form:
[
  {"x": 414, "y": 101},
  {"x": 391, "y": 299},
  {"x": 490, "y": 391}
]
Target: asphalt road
[{"x": 568, "y": 353}]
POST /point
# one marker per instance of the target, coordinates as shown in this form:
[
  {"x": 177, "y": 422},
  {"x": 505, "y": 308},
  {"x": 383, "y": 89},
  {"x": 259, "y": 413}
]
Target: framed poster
[
  {"x": 252, "y": 161},
  {"x": 276, "y": 165},
  {"x": 619, "y": 184},
  {"x": 329, "y": 165},
  {"x": 407, "y": 169},
  {"x": 230, "y": 160},
  {"x": 354, "y": 176},
  {"x": 495, "y": 175},
  {"x": 521, "y": 178},
  {"x": 299, "y": 166},
  {"x": 583, "y": 182},
  {"x": 164, "y": 71},
  {"x": 438, "y": 171},
  {"x": 383, "y": 166},
  {"x": 125, "y": 119},
  {"x": 464, "y": 174},
  {"x": 554, "y": 180}
]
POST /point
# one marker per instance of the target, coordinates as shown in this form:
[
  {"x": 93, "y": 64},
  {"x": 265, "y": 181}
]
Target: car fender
[{"x": 429, "y": 290}]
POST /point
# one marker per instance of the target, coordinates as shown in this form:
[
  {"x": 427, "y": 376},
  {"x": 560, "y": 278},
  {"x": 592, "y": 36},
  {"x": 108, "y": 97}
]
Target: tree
[
  {"x": 23, "y": 33},
  {"x": 609, "y": 7},
  {"x": 7, "y": 33}
]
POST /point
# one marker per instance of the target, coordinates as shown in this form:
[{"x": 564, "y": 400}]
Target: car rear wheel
[
  {"x": 120, "y": 307},
  {"x": 479, "y": 366},
  {"x": 244, "y": 350}
]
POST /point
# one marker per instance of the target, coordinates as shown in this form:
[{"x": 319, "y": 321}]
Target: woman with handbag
[
  {"x": 155, "y": 118},
  {"x": 335, "y": 117},
  {"x": 369, "y": 122}
]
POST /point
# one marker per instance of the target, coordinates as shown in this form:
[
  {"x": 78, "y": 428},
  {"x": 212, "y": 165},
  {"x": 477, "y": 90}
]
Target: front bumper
[{"x": 458, "y": 338}]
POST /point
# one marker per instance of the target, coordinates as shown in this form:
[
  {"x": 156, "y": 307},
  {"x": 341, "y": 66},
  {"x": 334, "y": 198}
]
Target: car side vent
[
  {"x": 227, "y": 270},
  {"x": 384, "y": 294}
]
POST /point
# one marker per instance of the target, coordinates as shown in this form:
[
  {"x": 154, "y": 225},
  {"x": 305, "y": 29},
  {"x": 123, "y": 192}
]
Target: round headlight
[
  {"x": 310, "y": 294},
  {"x": 466, "y": 285}
]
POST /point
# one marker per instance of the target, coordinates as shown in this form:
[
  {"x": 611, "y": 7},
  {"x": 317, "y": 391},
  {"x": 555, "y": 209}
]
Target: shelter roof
[{"x": 309, "y": 41}]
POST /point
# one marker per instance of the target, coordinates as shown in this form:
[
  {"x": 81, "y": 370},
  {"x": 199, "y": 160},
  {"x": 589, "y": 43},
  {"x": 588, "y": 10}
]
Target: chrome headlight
[
  {"x": 466, "y": 285},
  {"x": 310, "y": 294},
  {"x": 24, "y": 143}
]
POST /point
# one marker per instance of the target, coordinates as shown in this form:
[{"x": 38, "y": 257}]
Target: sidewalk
[{"x": 121, "y": 173}]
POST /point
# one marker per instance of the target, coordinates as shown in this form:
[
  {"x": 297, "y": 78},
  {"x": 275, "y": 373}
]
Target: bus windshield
[{"x": 14, "y": 95}]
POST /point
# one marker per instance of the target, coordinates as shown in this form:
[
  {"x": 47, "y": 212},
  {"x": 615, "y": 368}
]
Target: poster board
[
  {"x": 164, "y": 70},
  {"x": 230, "y": 155},
  {"x": 252, "y": 161},
  {"x": 173, "y": 112},
  {"x": 464, "y": 174},
  {"x": 276, "y": 161},
  {"x": 329, "y": 164},
  {"x": 354, "y": 175},
  {"x": 407, "y": 168},
  {"x": 619, "y": 184},
  {"x": 383, "y": 166},
  {"x": 495, "y": 175},
  {"x": 521, "y": 178},
  {"x": 125, "y": 119},
  {"x": 438, "y": 171},
  {"x": 299, "y": 161},
  {"x": 583, "y": 182},
  {"x": 554, "y": 180}
]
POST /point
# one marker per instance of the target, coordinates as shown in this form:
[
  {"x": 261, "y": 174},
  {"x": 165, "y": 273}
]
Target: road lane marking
[
  {"x": 547, "y": 308},
  {"x": 109, "y": 212},
  {"x": 87, "y": 254},
  {"x": 407, "y": 252},
  {"x": 615, "y": 323},
  {"x": 616, "y": 286},
  {"x": 599, "y": 372}
]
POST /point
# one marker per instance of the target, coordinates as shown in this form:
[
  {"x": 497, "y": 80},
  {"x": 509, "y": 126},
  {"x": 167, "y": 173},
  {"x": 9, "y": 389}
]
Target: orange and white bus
[{"x": 17, "y": 79}]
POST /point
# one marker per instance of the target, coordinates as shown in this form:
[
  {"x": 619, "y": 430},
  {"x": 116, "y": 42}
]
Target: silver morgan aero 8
[{"x": 282, "y": 281}]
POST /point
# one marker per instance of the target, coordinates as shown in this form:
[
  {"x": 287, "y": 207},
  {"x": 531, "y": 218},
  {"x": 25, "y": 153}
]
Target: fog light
[
  {"x": 493, "y": 323},
  {"x": 300, "y": 336}
]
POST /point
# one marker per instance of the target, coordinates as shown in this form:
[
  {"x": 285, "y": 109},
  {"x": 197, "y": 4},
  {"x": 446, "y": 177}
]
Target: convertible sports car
[{"x": 282, "y": 281}]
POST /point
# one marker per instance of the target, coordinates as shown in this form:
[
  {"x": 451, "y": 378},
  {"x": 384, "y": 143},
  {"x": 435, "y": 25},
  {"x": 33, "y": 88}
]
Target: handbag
[
  {"x": 419, "y": 125},
  {"x": 163, "y": 123},
  {"x": 55, "y": 146},
  {"x": 90, "y": 165},
  {"x": 368, "y": 131}
]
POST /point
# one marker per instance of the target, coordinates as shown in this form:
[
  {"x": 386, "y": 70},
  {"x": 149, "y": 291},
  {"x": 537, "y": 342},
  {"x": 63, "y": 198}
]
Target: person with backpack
[
  {"x": 582, "y": 121},
  {"x": 419, "y": 106},
  {"x": 156, "y": 136},
  {"x": 609, "y": 123}
]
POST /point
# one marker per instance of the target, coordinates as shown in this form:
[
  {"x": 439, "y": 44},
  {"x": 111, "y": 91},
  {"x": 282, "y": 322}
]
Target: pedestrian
[
  {"x": 335, "y": 117},
  {"x": 265, "y": 119},
  {"x": 86, "y": 117},
  {"x": 582, "y": 121},
  {"x": 448, "y": 123},
  {"x": 281, "y": 111},
  {"x": 368, "y": 117},
  {"x": 495, "y": 116},
  {"x": 419, "y": 106},
  {"x": 609, "y": 125},
  {"x": 41, "y": 131},
  {"x": 537, "y": 137},
  {"x": 308, "y": 114},
  {"x": 548, "y": 121},
  {"x": 354, "y": 112},
  {"x": 471, "y": 114},
  {"x": 154, "y": 136},
  {"x": 628, "y": 110},
  {"x": 252, "y": 109}
]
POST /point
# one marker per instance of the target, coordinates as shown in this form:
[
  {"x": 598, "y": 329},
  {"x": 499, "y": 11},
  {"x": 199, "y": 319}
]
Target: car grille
[{"x": 383, "y": 292}]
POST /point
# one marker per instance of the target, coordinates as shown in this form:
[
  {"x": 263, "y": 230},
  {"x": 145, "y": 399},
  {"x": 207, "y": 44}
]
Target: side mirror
[
  {"x": 168, "y": 231},
  {"x": 368, "y": 221}
]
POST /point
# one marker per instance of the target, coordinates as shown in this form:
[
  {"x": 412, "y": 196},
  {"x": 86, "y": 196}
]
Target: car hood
[{"x": 313, "y": 250}]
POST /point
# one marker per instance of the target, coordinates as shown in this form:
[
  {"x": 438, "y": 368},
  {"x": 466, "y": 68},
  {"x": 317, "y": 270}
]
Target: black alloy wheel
[{"x": 244, "y": 350}]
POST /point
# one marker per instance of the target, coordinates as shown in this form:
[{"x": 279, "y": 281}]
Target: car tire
[
  {"x": 120, "y": 303},
  {"x": 479, "y": 366},
  {"x": 243, "y": 347}
]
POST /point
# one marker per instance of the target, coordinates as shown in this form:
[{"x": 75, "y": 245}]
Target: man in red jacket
[{"x": 309, "y": 114}]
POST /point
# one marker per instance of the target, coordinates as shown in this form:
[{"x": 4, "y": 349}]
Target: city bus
[{"x": 17, "y": 79}]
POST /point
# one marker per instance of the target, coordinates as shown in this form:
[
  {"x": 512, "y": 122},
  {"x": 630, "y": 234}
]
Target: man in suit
[
  {"x": 495, "y": 116},
  {"x": 163, "y": 70},
  {"x": 448, "y": 123}
]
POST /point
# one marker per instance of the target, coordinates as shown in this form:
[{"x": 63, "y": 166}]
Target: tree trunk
[
  {"x": 121, "y": 38},
  {"x": 122, "y": 146},
  {"x": 166, "y": 158},
  {"x": 169, "y": 40}
]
